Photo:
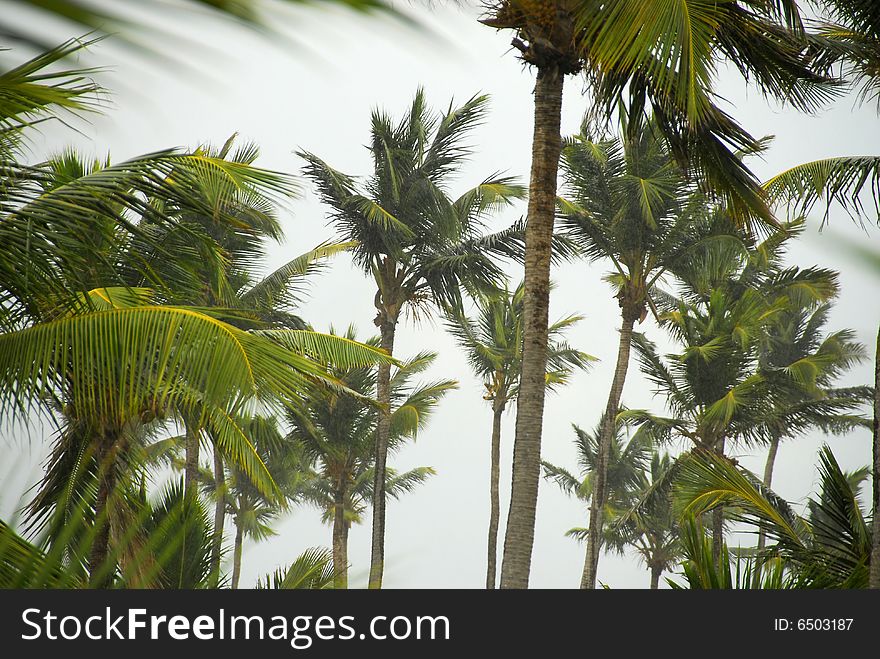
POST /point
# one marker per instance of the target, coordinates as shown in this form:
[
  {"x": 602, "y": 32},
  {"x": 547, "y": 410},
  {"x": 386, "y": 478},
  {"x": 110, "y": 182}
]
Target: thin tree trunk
[
  {"x": 340, "y": 539},
  {"x": 768, "y": 481},
  {"x": 100, "y": 571},
  {"x": 494, "y": 497},
  {"x": 383, "y": 395},
  {"x": 546, "y": 146},
  {"x": 771, "y": 462},
  {"x": 236, "y": 555},
  {"x": 874, "y": 574},
  {"x": 191, "y": 466},
  {"x": 718, "y": 517},
  {"x": 600, "y": 494},
  {"x": 656, "y": 571},
  {"x": 219, "y": 517}
]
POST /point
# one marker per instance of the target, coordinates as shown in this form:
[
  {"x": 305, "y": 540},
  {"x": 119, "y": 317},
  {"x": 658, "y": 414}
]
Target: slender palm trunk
[
  {"x": 191, "y": 466},
  {"x": 656, "y": 571},
  {"x": 546, "y": 146},
  {"x": 718, "y": 517},
  {"x": 600, "y": 494},
  {"x": 340, "y": 539},
  {"x": 219, "y": 516},
  {"x": 874, "y": 575},
  {"x": 236, "y": 554},
  {"x": 494, "y": 497},
  {"x": 768, "y": 482},
  {"x": 100, "y": 572},
  {"x": 383, "y": 395}
]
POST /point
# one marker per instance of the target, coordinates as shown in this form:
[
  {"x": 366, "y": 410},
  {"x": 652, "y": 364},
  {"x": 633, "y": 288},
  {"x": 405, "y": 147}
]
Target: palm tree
[
  {"x": 626, "y": 467},
  {"x": 795, "y": 346},
  {"x": 419, "y": 245},
  {"x": 268, "y": 302},
  {"x": 251, "y": 510},
  {"x": 336, "y": 436},
  {"x": 715, "y": 387},
  {"x": 227, "y": 282},
  {"x": 849, "y": 35},
  {"x": 628, "y": 202},
  {"x": 105, "y": 360},
  {"x": 665, "y": 57},
  {"x": 852, "y": 37},
  {"x": 649, "y": 524},
  {"x": 493, "y": 344}
]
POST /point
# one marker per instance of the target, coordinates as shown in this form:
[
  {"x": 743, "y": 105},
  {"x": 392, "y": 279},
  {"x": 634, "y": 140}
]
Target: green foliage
[
  {"x": 723, "y": 383},
  {"x": 493, "y": 344},
  {"x": 420, "y": 245},
  {"x": 701, "y": 572},
  {"x": 829, "y": 548},
  {"x": 635, "y": 515},
  {"x": 312, "y": 570},
  {"x": 336, "y": 436}
]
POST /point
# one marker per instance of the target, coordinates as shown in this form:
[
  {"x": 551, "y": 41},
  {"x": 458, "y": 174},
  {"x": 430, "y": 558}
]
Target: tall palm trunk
[
  {"x": 340, "y": 539},
  {"x": 656, "y": 571},
  {"x": 219, "y": 516},
  {"x": 236, "y": 554},
  {"x": 387, "y": 329},
  {"x": 191, "y": 466},
  {"x": 718, "y": 517},
  {"x": 546, "y": 146},
  {"x": 600, "y": 495},
  {"x": 100, "y": 572},
  {"x": 494, "y": 497},
  {"x": 874, "y": 575}
]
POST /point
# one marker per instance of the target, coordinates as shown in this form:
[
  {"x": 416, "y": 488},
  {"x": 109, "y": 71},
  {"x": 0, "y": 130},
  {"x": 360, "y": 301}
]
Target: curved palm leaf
[{"x": 840, "y": 180}]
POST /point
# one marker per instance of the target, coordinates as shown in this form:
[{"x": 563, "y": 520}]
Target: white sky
[{"x": 318, "y": 95}]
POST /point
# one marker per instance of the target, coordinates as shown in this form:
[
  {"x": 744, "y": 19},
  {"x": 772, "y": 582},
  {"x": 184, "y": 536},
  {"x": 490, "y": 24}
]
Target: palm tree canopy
[
  {"x": 493, "y": 344},
  {"x": 626, "y": 200},
  {"x": 417, "y": 242},
  {"x": 336, "y": 431},
  {"x": 714, "y": 386},
  {"x": 627, "y": 463},
  {"x": 666, "y": 56}
]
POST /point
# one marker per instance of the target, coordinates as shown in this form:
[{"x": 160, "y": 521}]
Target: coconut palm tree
[
  {"x": 627, "y": 463},
  {"x": 419, "y": 245},
  {"x": 795, "y": 348},
  {"x": 105, "y": 360},
  {"x": 336, "y": 435},
  {"x": 629, "y": 203},
  {"x": 227, "y": 281},
  {"x": 648, "y": 524},
  {"x": 714, "y": 386},
  {"x": 493, "y": 344},
  {"x": 851, "y": 34},
  {"x": 251, "y": 510},
  {"x": 665, "y": 58}
]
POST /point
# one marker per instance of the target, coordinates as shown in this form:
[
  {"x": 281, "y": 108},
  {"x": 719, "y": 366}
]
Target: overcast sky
[{"x": 317, "y": 95}]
